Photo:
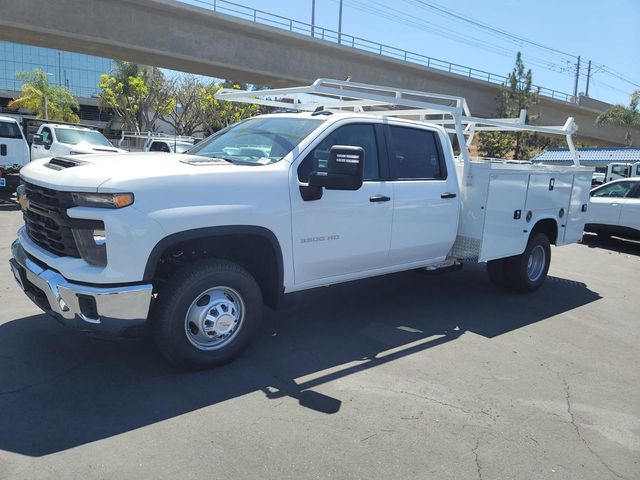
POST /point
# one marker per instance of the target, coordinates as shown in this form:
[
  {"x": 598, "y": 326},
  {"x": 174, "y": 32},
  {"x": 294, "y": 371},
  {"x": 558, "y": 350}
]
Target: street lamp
[{"x": 46, "y": 108}]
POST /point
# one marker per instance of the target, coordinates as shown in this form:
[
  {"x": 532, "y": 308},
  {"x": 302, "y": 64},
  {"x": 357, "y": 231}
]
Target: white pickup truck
[
  {"x": 193, "y": 245},
  {"x": 14, "y": 153},
  {"x": 54, "y": 140}
]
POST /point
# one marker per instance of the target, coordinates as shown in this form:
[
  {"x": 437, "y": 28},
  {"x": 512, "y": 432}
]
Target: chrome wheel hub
[
  {"x": 214, "y": 318},
  {"x": 536, "y": 263}
]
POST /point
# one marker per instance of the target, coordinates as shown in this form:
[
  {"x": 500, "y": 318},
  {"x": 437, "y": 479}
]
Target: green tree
[
  {"x": 516, "y": 95},
  {"x": 621, "y": 116},
  {"x": 137, "y": 94},
  {"x": 186, "y": 95},
  {"x": 216, "y": 115},
  {"x": 46, "y": 101}
]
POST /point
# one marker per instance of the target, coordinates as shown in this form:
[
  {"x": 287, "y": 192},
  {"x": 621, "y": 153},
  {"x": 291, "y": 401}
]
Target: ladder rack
[{"x": 448, "y": 111}]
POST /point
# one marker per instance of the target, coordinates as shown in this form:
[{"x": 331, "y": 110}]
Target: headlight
[
  {"x": 102, "y": 200},
  {"x": 92, "y": 245}
]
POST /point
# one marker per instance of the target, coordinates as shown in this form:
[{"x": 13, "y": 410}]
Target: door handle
[
  {"x": 448, "y": 195},
  {"x": 379, "y": 198}
]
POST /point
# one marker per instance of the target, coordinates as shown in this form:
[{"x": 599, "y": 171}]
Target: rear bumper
[{"x": 106, "y": 311}]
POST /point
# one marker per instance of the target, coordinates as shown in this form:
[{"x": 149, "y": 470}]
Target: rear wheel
[
  {"x": 527, "y": 272},
  {"x": 207, "y": 314}
]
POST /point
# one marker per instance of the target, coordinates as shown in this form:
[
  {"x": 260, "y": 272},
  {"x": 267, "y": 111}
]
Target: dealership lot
[{"x": 403, "y": 376}]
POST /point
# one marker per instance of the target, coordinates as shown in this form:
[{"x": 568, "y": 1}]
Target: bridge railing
[{"x": 321, "y": 33}]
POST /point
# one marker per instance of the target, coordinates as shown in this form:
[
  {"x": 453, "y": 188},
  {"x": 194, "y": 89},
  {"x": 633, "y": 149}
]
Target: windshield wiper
[{"x": 234, "y": 161}]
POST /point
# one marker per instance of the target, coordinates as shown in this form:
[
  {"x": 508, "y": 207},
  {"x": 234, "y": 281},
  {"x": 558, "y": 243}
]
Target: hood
[{"x": 87, "y": 172}]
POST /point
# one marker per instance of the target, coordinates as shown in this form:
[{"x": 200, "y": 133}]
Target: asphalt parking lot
[{"x": 400, "y": 377}]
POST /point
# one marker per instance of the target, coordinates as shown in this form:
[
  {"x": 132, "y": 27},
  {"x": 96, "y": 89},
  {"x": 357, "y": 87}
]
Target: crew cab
[
  {"x": 54, "y": 140},
  {"x": 14, "y": 153},
  {"x": 190, "y": 246}
]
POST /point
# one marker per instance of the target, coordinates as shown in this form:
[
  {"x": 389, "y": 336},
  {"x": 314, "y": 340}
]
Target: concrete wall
[{"x": 173, "y": 35}]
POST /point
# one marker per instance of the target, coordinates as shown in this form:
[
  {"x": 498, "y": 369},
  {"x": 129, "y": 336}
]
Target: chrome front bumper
[{"x": 109, "y": 311}]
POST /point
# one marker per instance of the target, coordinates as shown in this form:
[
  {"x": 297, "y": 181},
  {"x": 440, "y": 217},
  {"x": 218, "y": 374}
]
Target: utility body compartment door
[
  {"x": 505, "y": 217},
  {"x": 578, "y": 208}
]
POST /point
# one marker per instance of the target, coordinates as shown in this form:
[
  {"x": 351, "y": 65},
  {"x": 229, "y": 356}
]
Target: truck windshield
[
  {"x": 257, "y": 140},
  {"x": 75, "y": 137}
]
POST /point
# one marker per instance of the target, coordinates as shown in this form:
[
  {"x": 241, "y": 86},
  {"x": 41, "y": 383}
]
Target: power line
[{"x": 488, "y": 27}]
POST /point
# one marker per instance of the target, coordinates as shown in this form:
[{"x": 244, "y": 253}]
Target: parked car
[
  {"x": 53, "y": 140},
  {"x": 614, "y": 209},
  {"x": 14, "y": 153},
  {"x": 167, "y": 145},
  {"x": 192, "y": 246}
]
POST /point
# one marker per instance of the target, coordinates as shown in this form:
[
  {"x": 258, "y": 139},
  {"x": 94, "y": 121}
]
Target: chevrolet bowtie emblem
[{"x": 24, "y": 202}]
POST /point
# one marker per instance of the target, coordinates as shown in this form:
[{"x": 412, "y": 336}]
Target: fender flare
[{"x": 194, "y": 234}]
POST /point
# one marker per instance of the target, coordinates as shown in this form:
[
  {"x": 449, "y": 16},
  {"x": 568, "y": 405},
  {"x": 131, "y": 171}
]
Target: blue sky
[{"x": 604, "y": 31}]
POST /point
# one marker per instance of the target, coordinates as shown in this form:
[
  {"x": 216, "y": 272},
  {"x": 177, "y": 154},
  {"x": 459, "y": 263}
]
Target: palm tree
[
  {"x": 44, "y": 100},
  {"x": 621, "y": 116}
]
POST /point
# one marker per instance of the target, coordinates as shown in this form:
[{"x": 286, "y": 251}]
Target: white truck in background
[
  {"x": 55, "y": 140},
  {"x": 192, "y": 246},
  {"x": 14, "y": 153},
  {"x": 618, "y": 170}
]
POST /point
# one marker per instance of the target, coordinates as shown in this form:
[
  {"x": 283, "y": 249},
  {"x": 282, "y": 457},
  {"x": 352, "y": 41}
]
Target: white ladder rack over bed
[{"x": 449, "y": 111}]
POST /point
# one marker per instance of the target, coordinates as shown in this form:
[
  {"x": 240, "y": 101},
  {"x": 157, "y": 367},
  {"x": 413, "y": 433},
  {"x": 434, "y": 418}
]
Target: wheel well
[
  {"x": 258, "y": 253},
  {"x": 549, "y": 227}
]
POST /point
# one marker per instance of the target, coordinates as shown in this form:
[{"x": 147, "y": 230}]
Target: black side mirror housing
[
  {"x": 344, "y": 172},
  {"x": 37, "y": 139}
]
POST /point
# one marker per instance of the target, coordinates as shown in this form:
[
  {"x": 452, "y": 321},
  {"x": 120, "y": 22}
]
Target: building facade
[{"x": 78, "y": 72}]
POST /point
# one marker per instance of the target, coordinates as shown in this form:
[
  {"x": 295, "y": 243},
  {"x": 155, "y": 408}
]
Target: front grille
[{"x": 47, "y": 222}]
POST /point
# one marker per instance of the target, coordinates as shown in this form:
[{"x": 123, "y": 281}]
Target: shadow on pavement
[
  {"x": 59, "y": 389},
  {"x": 614, "y": 244}
]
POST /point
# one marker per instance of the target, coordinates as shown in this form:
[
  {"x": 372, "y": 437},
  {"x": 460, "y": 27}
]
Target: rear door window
[{"x": 415, "y": 154}]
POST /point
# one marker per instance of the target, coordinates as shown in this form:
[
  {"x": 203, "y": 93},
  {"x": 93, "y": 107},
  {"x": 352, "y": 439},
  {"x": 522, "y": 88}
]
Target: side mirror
[
  {"x": 37, "y": 139},
  {"x": 344, "y": 172}
]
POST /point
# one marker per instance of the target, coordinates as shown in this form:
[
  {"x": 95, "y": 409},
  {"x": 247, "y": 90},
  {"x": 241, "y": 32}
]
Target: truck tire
[
  {"x": 496, "y": 272},
  {"x": 206, "y": 314},
  {"x": 525, "y": 273}
]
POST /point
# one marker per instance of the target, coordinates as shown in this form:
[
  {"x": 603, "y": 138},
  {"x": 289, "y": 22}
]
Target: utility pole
[
  {"x": 340, "y": 24},
  {"x": 586, "y": 93},
  {"x": 59, "y": 69},
  {"x": 575, "y": 85},
  {"x": 313, "y": 18}
]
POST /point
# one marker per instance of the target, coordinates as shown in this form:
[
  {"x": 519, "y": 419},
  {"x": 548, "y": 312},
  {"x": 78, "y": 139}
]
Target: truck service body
[{"x": 191, "y": 245}]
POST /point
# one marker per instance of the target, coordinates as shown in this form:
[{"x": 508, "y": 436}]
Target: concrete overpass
[{"x": 178, "y": 36}]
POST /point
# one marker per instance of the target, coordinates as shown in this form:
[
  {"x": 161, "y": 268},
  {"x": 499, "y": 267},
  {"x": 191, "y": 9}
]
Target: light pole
[
  {"x": 313, "y": 18},
  {"x": 44, "y": 93},
  {"x": 340, "y": 24}
]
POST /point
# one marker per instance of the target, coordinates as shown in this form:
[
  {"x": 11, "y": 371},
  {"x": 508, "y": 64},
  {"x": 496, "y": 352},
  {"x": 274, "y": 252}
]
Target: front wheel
[
  {"x": 207, "y": 314},
  {"x": 527, "y": 272}
]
